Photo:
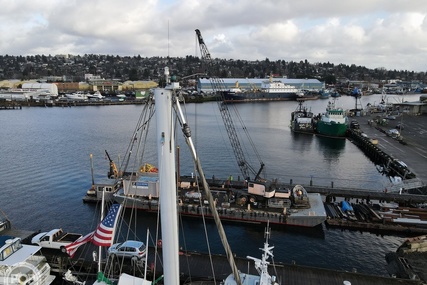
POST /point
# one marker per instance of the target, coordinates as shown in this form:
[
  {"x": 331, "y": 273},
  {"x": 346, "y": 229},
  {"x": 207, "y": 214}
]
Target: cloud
[{"x": 371, "y": 33}]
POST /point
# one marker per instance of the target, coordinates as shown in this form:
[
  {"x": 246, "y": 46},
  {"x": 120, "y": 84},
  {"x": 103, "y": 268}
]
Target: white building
[{"x": 35, "y": 86}]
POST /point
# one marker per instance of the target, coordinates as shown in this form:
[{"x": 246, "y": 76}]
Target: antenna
[{"x": 168, "y": 38}]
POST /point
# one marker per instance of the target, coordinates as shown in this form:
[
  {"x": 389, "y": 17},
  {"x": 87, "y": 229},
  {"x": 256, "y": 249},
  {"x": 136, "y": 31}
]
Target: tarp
[{"x": 345, "y": 206}]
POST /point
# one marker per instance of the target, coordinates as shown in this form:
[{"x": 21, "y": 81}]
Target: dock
[
  {"x": 196, "y": 267},
  {"x": 409, "y": 147},
  {"x": 10, "y": 105}
]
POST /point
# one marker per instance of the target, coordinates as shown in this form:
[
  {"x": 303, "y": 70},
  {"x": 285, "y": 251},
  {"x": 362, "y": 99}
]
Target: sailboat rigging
[{"x": 169, "y": 115}]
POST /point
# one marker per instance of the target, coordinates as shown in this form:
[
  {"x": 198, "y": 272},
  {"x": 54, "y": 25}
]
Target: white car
[{"x": 127, "y": 249}]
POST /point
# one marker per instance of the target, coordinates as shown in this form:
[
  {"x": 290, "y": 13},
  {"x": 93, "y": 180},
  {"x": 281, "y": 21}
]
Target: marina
[{"x": 83, "y": 174}]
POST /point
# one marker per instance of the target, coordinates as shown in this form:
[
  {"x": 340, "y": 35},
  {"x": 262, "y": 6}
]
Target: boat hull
[
  {"x": 331, "y": 129},
  {"x": 304, "y": 128},
  {"x": 310, "y": 217},
  {"x": 259, "y": 96}
]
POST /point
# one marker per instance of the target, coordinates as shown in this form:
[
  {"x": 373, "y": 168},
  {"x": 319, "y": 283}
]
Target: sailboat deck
[{"x": 198, "y": 267}]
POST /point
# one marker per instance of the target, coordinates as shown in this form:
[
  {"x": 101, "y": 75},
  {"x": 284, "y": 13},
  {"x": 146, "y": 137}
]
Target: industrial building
[{"x": 51, "y": 88}]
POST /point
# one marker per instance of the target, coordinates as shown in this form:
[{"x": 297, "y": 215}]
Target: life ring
[{"x": 159, "y": 243}]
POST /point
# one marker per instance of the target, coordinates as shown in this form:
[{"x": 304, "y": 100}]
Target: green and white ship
[{"x": 334, "y": 122}]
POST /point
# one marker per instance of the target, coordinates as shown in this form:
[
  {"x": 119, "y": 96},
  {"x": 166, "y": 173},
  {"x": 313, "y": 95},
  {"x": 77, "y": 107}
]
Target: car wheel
[{"x": 63, "y": 249}]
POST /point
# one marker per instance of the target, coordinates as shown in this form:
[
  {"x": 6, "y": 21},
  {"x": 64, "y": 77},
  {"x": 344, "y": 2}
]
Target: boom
[{"x": 218, "y": 86}]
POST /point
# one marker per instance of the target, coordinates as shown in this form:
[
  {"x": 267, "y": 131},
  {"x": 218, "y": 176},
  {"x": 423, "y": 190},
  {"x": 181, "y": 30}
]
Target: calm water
[{"x": 45, "y": 171}]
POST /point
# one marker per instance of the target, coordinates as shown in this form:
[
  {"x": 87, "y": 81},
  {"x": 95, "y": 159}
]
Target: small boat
[
  {"x": 77, "y": 96},
  {"x": 98, "y": 190},
  {"x": 334, "y": 122},
  {"x": 324, "y": 94},
  {"x": 302, "y": 119},
  {"x": 95, "y": 96},
  {"x": 4, "y": 224},
  {"x": 334, "y": 93},
  {"x": 106, "y": 189}
]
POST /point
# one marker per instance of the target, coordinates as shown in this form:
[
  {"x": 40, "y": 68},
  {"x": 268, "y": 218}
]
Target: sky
[{"x": 389, "y": 34}]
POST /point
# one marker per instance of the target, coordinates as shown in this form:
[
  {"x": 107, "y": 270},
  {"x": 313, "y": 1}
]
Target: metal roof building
[
  {"x": 51, "y": 87},
  {"x": 204, "y": 84}
]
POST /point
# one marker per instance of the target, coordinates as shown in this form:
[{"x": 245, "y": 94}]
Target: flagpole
[
  {"x": 102, "y": 216},
  {"x": 146, "y": 254}
]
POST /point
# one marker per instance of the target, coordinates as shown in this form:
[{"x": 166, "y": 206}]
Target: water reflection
[{"x": 335, "y": 144}]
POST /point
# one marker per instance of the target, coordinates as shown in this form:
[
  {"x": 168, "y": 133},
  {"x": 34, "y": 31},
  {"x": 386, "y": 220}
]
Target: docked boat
[
  {"x": 279, "y": 206},
  {"x": 20, "y": 264},
  {"x": 334, "y": 122},
  {"x": 4, "y": 223},
  {"x": 335, "y": 93},
  {"x": 77, "y": 96},
  {"x": 95, "y": 96},
  {"x": 324, "y": 94},
  {"x": 271, "y": 90},
  {"x": 302, "y": 119}
]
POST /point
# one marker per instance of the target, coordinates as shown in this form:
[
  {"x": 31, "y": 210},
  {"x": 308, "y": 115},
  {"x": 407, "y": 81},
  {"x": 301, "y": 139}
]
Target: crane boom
[{"x": 218, "y": 86}]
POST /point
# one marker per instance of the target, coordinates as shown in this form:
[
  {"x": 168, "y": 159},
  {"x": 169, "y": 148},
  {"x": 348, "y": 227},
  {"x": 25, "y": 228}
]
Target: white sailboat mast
[{"x": 166, "y": 161}]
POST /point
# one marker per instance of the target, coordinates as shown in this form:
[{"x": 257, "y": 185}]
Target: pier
[
  {"x": 10, "y": 105},
  {"x": 375, "y": 140},
  {"x": 196, "y": 267}
]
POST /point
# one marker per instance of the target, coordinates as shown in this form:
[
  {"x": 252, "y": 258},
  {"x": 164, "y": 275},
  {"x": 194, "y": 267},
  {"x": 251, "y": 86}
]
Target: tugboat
[
  {"x": 334, "y": 122},
  {"x": 302, "y": 120}
]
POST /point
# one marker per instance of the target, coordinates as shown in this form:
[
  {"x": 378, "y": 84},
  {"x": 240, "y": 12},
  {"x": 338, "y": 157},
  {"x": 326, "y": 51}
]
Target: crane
[{"x": 218, "y": 86}]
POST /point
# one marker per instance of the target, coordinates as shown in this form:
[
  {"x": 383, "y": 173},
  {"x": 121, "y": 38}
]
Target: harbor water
[{"x": 46, "y": 170}]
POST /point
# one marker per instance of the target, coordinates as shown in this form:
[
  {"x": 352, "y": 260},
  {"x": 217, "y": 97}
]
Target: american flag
[
  {"x": 102, "y": 236},
  {"x": 72, "y": 247}
]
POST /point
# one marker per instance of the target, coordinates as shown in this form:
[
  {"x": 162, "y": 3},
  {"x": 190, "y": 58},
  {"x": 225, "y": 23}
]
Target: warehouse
[{"x": 49, "y": 87}]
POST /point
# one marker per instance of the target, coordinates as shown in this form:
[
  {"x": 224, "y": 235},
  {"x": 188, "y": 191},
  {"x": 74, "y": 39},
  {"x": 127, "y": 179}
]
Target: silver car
[{"x": 127, "y": 249}]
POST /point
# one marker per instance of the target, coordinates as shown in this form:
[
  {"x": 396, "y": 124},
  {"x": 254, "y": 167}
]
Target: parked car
[
  {"x": 127, "y": 249},
  {"x": 354, "y": 125},
  {"x": 393, "y": 133}
]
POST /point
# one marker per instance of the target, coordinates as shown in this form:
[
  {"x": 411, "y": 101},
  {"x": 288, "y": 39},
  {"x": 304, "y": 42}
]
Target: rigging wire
[{"x": 196, "y": 179}]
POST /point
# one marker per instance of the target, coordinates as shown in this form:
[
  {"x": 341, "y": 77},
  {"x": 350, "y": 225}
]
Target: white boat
[
  {"x": 77, "y": 96},
  {"x": 95, "y": 96},
  {"x": 20, "y": 264},
  {"x": 271, "y": 90},
  {"x": 4, "y": 223}
]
